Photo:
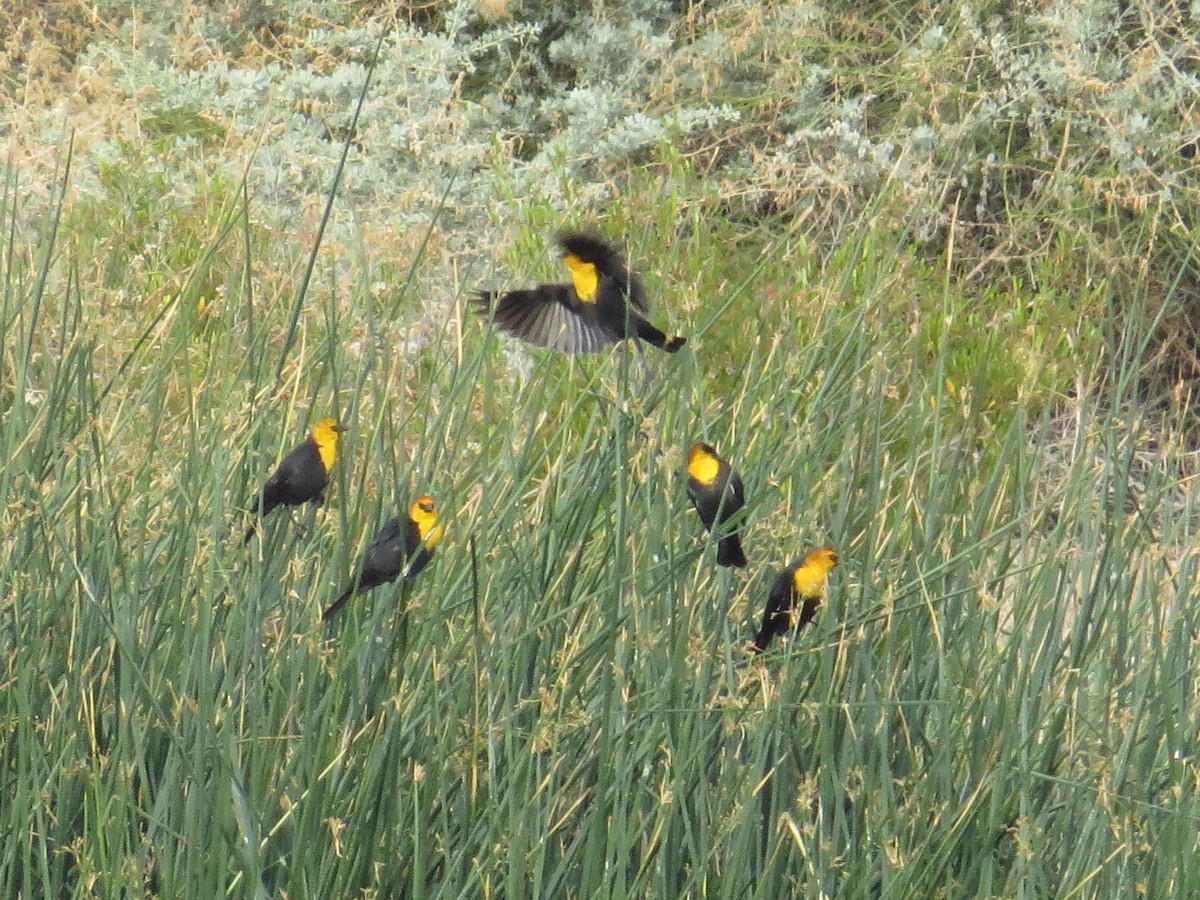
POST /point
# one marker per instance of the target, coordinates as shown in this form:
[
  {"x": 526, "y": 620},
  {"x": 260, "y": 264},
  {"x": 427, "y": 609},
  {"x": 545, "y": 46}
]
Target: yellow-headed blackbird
[
  {"x": 716, "y": 492},
  {"x": 803, "y": 580},
  {"x": 604, "y": 303},
  {"x": 412, "y": 541},
  {"x": 303, "y": 473}
]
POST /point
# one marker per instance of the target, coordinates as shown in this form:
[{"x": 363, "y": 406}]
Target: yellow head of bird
[
  {"x": 325, "y": 436},
  {"x": 423, "y": 514},
  {"x": 810, "y": 578},
  {"x": 584, "y": 277},
  {"x": 823, "y": 558},
  {"x": 703, "y": 463}
]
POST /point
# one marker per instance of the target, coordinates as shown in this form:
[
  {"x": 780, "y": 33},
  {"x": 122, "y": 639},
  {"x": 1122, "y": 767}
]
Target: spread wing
[{"x": 549, "y": 315}]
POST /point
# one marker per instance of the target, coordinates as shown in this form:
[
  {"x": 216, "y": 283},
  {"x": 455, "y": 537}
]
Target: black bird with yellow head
[{"x": 604, "y": 303}]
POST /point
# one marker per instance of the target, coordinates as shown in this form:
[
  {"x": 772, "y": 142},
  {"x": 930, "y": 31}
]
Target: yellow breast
[
  {"x": 325, "y": 436},
  {"x": 809, "y": 582},
  {"x": 810, "y": 579},
  {"x": 434, "y": 537},
  {"x": 584, "y": 277}
]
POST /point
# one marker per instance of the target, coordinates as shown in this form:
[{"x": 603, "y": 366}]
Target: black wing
[
  {"x": 299, "y": 478},
  {"x": 549, "y": 315},
  {"x": 385, "y": 556},
  {"x": 705, "y": 500},
  {"x": 776, "y": 615},
  {"x": 381, "y": 564},
  {"x": 733, "y": 499}
]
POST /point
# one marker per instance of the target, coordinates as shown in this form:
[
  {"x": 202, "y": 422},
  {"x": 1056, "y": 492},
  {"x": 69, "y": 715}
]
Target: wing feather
[{"x": 546, "y": 316}]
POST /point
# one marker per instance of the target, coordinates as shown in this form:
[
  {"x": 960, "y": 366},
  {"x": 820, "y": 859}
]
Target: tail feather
[
  {"x": 652, "y": 335},
  {"x": 337, "y": 604},
  {"x": 672, "y": 345},
  {"x": 762, "y": 640},
  {"x": 258, "y": 508},
  {"x": 730, "y": 553}
]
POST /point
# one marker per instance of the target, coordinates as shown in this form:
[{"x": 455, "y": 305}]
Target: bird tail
[
  {"x": 337, "y": 604},
  {"x": 652, "y": 335},
  {"x": 730, "y": 553},
  {"x": 259, "y": 508},
  {"x": 762, "y": 640},
  {"x": 672, "y": 345}
]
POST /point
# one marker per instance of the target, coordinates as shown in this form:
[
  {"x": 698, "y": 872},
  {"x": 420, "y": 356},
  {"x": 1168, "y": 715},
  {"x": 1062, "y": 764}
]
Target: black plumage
[
  {"x": 301, "y": 476},
  {"x": 400, "y": 546},
  {"x": 716, "y": 491},
  {"x": 803, "y": 581},
  {"x": 604, "y": 303}
]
